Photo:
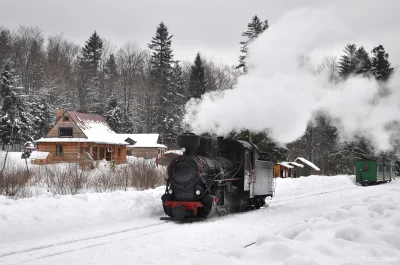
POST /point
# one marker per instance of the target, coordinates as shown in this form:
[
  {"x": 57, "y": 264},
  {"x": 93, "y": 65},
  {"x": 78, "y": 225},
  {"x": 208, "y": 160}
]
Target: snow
[
  {"x": 93, "y": 126},
  {"x": 285, "y": 164},
  {"x": 296, "y": 164},
  {"x": 312, "y": 220},
  {"x": 39, "y": 155},
  {"x": 364, "y": 230},
  {"x": 305, "y": 161},
  {"x": 50, "y": 214},
  {"x": 178, "y": 152},
  {"x": 143, "y": 140}
]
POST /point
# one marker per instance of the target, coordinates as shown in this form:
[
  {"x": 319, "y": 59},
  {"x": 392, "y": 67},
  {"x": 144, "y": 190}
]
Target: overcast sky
[{"x": 212, "y": 27}]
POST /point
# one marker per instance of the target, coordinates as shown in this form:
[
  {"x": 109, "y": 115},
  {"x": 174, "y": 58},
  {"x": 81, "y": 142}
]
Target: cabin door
[{"x": 101, "y": 153}]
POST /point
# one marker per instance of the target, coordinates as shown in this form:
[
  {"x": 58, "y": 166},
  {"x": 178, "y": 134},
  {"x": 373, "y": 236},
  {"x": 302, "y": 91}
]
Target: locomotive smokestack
[{"x": 189, "y": 141}]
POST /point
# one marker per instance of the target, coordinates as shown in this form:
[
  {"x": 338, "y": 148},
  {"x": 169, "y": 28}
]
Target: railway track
[{"x": 82, "y": 243}]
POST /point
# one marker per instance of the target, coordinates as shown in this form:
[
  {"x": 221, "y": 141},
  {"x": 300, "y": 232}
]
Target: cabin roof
[
  {"x": 143, "y": 140},
  {"x": 93, "y": 126}
]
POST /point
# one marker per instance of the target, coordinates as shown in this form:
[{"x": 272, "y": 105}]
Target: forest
[{"x": 144, "y": 90}]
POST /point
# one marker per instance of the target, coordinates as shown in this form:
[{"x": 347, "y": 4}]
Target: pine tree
[
  {"x": 176, "y": 109},
  {"x": 113, "y": 115},
  {"x": 255, "y": 28},
  {"x": 15, "y": 121},
  {"x": 381, "y": 67},
  {"x": 354, "y": 61},
  {"x": 197, "y": 80},
  {"x": 89, "y": 74},
  {"x": 5, "y": 47},
  {"x": 111, "y": 77},
  {"x": 347, "y": 63},
  {"x": 161, "y": 61},
  {"x": 363, "y": 62},
  {"x": 41, "y": 121}
]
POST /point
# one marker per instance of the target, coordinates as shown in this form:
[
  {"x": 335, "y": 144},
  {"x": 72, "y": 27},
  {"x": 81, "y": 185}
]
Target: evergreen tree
[
  {"x": 89, "y": 74},
  {"x": 161, "y": 61},
  {"x": 354, "y": 61},
  {"x": 347, "y": 63},
  {"x": 111, "y": 77},
  {"x": 14, "y": 121},
  {"x": 5, "y": 47},
  {"x": 381, "y": 67},
  {"x": 363, "y": 62},
  {"x": 176, "y": 109},
  {"x": 255, "y": 28},
  {"x": 113, "y": 115},
  {"x": 197, "y": 81},
  {"x": 41, "y": 121}
]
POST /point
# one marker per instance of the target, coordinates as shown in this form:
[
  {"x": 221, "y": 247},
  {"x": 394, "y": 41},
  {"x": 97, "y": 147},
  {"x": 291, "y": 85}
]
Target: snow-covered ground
[
  {"x": 364, "y": 230},
  {"x": 304, "y": 221}
]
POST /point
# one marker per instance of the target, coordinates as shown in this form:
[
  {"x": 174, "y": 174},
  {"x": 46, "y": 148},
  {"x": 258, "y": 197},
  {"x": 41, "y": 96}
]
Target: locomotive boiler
[{"x": 216, "y": 175}]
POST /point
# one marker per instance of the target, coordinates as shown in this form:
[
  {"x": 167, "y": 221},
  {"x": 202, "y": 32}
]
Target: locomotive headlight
[
  {"x": 198, "y": 192},
  {"x": 170, "y": 191},
  {"x": 183, "y": 149}
]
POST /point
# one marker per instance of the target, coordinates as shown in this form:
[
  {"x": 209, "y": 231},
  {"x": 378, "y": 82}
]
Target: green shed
[{"x": 374, "y": 171}]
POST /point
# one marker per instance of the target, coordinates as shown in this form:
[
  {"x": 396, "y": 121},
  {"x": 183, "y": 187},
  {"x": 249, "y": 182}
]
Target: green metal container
[{"x": 372, "y": 171}]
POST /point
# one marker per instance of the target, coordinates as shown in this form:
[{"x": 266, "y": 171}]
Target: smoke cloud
[{"x": 281, "y": 95}]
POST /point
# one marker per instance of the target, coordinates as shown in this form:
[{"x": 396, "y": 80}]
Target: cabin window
[
  {"x": 365, "y": 167},
  {"x": 128, "y": 152},
  {"x": 119, "y": 151},
  {"x": 65, "y": 118},
  {"x": 59, "y": 150},
  {"x": 65, "y": 132}
]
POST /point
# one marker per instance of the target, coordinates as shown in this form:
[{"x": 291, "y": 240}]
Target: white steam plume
[{"x": 279, "y": 95}]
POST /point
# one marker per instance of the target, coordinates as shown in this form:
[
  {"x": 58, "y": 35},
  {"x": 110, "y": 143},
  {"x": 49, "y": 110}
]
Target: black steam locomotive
[{"x": 216, "y": 175}]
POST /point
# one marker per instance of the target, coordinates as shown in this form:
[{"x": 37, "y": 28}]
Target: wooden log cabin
[{"x": 77, "y": 134}]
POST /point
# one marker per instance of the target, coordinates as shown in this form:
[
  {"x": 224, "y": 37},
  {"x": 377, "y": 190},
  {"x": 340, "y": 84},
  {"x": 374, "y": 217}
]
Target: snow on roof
[
  {"x": 296, "y": 164},
  {"x": 178, "y": 152},
  {"x": 305, "y": 161},
  {"x": 39, "y": 155},
  {"x": 285, "y": 164},
  {"x": 93, "y": 126},
  {"x": 143, "y": 139}
]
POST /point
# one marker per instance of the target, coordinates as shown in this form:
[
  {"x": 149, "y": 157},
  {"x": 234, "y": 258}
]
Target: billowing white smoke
[{"x": 279, "y": 95}]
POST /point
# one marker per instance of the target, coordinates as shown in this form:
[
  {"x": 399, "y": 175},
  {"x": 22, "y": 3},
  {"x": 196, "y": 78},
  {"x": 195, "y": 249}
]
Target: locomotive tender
[{"x": 216, "y": 175}]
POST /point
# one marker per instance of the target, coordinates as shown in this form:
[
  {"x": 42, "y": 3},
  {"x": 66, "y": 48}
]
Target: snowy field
[{"x": 311, "y": 220}]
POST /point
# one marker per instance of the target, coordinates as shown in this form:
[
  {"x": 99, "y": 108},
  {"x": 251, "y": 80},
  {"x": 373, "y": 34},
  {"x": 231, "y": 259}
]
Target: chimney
[{"x": 59, "y": 113}]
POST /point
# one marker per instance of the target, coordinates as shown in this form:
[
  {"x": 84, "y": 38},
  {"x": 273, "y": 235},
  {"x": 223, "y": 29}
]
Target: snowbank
[
  {"x": 366, "y": 230},
  {"x": 47, "y": 215},
  {"x": 286, "y": 187}
]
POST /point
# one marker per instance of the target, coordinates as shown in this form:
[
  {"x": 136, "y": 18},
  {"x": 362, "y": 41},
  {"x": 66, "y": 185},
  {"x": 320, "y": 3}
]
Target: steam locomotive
[{"x": 216, "y": 175}]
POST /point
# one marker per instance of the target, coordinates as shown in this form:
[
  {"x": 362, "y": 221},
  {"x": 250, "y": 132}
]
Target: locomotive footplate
[{"x": 183, "y": 209}]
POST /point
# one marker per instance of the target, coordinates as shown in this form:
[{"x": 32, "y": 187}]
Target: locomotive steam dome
[{"x": 189, "y": 141}]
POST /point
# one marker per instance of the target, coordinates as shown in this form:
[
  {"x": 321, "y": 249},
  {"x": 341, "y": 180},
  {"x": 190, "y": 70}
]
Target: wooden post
[{"x": 4, "y": 165}]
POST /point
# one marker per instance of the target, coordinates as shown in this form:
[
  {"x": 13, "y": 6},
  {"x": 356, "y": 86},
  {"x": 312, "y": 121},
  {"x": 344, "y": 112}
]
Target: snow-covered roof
[
  {"x": 305, "y": 161},
  {"x": 285, "y": 164},
  {"x": 143, "y": 139},
  {"x": 93, "y": 126},
  {"x": 296, "y": 164},
  {"x": 39, "y": 155},
  {"x": 178, "y": 152}
]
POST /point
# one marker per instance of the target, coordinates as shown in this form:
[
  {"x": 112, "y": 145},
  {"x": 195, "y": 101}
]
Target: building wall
[
  {"x": 71, "y": 151},
  {"x": 146, "y": 152},
  {"x": 77, "y": 133}
]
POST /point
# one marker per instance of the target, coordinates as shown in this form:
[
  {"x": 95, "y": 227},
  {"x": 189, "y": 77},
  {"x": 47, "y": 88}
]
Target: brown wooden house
[
  {"x": 144, "y": 145},
  {"x": 78, "y": 134}
]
